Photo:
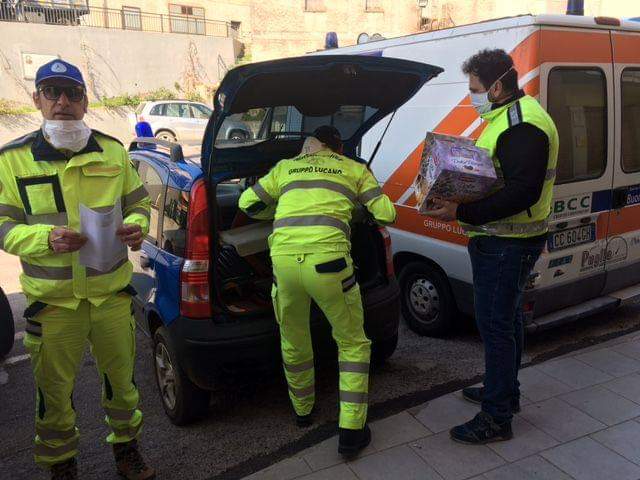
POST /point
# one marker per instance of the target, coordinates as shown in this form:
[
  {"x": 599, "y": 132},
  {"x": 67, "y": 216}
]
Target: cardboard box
[{"x": 454, "y": 169}]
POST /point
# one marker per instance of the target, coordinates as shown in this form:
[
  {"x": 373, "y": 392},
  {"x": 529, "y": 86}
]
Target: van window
[
  {"x": 177, "y": 110},
  {"x": 174, "y": 224},
  {"x": 578, "y": 105},
  {"x": 158, "y": 109},
  {"x": 155, "y": 188},
  {"x": 631, "y": 120}
]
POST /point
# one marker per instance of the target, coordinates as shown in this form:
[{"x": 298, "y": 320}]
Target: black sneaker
[
  {"x": 474, "y": 395},
  {"x": 480, "y": 430},
  {"x": 67, "y": 470},
  {"x": 351, "y": 442},
  {"x": 304, "y": 421}
]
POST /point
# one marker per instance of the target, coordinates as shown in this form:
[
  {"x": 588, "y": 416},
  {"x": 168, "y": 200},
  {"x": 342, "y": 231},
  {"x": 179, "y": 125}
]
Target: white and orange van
[{"x": 586, "y": 72}]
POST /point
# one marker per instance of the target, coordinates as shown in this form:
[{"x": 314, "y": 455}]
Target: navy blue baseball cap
[{"x": 59, "y": 69}]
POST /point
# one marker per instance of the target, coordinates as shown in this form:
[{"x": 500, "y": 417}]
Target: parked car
[
  {"x": 205, "y": 294},
  {"x": 7, "y": 329},
  {"x": 184, "y": 121}
]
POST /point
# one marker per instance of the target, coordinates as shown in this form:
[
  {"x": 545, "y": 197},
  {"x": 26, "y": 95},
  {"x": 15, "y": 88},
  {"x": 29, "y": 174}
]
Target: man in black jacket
[{"x": 508, "y": 230}]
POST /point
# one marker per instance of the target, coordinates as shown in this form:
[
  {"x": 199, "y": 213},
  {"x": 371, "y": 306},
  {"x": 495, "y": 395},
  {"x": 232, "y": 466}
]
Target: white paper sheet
[{"x": 103, "y": 248}]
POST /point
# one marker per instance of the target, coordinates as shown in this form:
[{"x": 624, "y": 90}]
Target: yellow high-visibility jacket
[{"x": 40, "y": 188}]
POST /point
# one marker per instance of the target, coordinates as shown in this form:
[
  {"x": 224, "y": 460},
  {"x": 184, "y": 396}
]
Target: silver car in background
[{"x": 184, "y": 121}]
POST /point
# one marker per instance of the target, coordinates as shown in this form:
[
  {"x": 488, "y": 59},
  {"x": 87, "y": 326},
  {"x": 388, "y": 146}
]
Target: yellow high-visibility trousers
[
  {"x": 328, "y": 279},
  {"x": 57, "y": 338}
]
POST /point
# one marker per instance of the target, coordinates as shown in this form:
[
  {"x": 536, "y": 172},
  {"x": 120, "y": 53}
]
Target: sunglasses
[{"x": 53, "y": 92}]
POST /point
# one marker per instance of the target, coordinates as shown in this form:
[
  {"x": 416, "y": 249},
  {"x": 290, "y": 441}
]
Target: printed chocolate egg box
[{"x": 454, "y": 169}]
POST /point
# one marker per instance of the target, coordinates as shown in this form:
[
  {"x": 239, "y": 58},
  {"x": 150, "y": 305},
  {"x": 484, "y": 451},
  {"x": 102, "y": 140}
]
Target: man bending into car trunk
[{"x": 312, "y": 197}]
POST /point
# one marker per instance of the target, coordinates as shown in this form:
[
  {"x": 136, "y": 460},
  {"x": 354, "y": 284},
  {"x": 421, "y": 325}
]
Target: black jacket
[{"x": 523, "y": 152}]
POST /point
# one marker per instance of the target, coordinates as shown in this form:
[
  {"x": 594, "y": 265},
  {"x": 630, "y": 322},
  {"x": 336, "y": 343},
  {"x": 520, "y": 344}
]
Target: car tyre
[
  {"x": 7, "y": 329},
  {"x": 382, "y": 350},
  {"x": 166, "y": 135},
  {"x": 238, "y": 136},
  {"x": 182, "y": 400},
  {"x": 427, "y": 301}
]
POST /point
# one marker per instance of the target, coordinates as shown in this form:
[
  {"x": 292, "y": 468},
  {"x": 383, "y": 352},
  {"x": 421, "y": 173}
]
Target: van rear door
[
  {"x": 623, "y": 247},
  {"x": 577, "y": 91}
]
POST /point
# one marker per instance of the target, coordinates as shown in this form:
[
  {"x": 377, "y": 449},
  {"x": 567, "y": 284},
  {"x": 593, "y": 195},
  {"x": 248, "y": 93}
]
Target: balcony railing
[{"x": 73, "y": 13}]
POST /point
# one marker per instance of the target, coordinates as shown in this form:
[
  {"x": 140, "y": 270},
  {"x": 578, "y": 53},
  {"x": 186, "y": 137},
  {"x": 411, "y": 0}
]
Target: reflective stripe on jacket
[
  {"x": 40, "y": 188},
  {"x": 312, "y": 198}
]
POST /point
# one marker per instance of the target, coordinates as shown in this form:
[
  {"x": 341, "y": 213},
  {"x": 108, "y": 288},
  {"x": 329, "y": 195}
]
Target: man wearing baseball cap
[{"x": 44, "y": 178}]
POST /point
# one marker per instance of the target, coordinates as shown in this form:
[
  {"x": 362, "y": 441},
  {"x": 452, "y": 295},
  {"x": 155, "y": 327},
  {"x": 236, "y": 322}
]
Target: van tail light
[
  {"x": 387, "y": 251},
  {"x": 194, "y": 277}
]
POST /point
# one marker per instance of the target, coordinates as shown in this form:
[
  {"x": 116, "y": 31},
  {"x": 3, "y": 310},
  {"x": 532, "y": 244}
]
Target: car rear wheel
[
  {"x": 238, "y": 136},
  {"x": 7, "y": 329},
  {"x": 182, "y": 400},
  {"x": 165, "y": 135},
  {"x": 427, "y": 301}
]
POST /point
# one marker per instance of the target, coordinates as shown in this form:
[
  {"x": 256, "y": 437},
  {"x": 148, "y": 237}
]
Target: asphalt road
[{"x": 251, "y": 427}]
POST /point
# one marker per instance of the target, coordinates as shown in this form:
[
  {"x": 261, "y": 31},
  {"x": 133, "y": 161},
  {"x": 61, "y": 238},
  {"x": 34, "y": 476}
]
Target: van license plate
[{"x": 572, "y": 237}]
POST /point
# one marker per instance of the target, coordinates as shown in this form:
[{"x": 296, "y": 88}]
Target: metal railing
[{"x": 74, "y": 13}]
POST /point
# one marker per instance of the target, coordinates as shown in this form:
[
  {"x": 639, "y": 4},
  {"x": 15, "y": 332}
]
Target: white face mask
[
  {"x": 70, "y": 135},
  {"x": 480, "y": 101}
]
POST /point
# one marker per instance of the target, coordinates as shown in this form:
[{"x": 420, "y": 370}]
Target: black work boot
[
  {"x": 482, "y": 429},
  {"x": 474, "y": 395},
  {"x": 130, "y": 463},
  {"x": 304, "y": 421},
  {"x": 352, "y": 441},
  {"x": 67, "y": 470}
]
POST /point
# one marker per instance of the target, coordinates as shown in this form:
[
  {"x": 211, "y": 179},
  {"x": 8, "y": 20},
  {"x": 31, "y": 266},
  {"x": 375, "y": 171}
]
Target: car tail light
[
  {"x": 194, "y": 277},
  {"x": 387, "y": 251}
]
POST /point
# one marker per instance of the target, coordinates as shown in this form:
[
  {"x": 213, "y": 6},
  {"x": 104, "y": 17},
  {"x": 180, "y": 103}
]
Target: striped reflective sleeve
[
  {"x": 369, "y": 195},
  {"x": 353, "y": 397},
  {"x": 354, "y": 367},
  {"x": 302, "y": 392},
  {"x": 262, "y": 194},
  {"x": 312, "y": 221},
  {"x": 13, "y": 212},
  {"x": 42, "y": 450},
  {"x": 140, "y": 211},
  {"x": 134, "y": 197},
  {"x": 5, "y": 228},
  {"x": 300, "y": 367}
]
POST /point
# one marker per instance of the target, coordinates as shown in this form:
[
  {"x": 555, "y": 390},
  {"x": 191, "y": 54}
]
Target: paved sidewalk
[{"x": 580, "y": 420}]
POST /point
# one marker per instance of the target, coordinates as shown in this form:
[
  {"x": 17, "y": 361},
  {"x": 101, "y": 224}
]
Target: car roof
[
  {"x": 155, "y": 102},
  {"x": 180, "y": 175}
]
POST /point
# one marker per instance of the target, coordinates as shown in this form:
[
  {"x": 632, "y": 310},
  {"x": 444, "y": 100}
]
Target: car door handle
[{"x": 145, "y": 262}]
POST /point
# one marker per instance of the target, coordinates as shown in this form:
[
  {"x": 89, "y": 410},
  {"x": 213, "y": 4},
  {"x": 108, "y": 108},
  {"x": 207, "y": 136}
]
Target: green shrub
[
  {"x": 8, "y": 107},
  {"x": 194, "y": 97}
]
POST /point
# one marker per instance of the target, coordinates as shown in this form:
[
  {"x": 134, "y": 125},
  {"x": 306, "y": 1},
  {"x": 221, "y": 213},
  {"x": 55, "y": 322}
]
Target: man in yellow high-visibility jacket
[
  {"x": 44, "y": 178},
  {"x": 508, "y": 231},
  {"x": 313, "y": 196}
]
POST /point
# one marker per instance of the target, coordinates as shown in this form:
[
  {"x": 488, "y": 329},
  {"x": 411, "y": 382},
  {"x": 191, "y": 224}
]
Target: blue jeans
[{"x": 501, "y": 268}]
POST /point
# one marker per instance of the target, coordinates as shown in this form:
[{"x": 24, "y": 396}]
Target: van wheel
[
  {"x": 182, "y": 400},
  {"x": 382, "y": 350},
  {"x": 7, "y": 329},
  {"x": 427, "y": 302}
]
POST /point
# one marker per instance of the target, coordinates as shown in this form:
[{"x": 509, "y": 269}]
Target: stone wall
[{"x": 113, "y": 62}]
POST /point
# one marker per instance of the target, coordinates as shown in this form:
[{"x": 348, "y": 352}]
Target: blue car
[{"x": 204, "y": 278}]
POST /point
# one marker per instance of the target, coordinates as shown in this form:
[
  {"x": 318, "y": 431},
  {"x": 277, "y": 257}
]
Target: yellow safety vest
[
  {"x": 311, "y": 198},
  {"x": 534, "y": 221},
  {"x": 41, "y": 188}
]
